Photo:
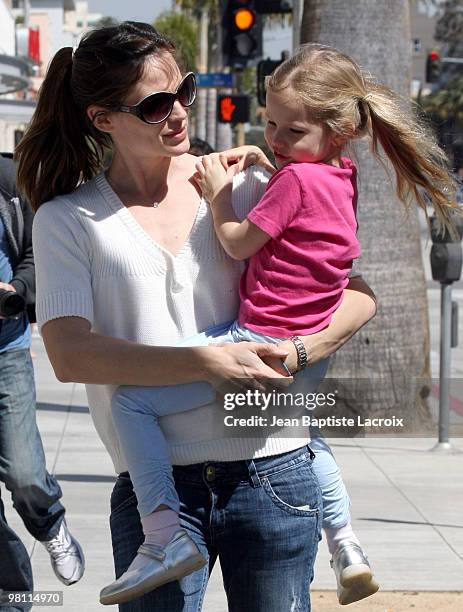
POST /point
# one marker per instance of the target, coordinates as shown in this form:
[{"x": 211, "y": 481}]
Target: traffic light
[
  {"x": 233, "y": 109},
  {"x": 241, "y": 32},
  {"x": 432, "y": 67},
  {"x": 264, "y": 69},
  {"x": 272, "y": 7}
]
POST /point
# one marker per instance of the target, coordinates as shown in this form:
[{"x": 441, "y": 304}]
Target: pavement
[{"x": 407, "y": 499}]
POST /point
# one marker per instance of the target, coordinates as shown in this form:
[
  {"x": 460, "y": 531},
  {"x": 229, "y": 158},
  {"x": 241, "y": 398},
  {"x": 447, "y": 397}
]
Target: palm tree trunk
[{"x": 393, "y": 350}]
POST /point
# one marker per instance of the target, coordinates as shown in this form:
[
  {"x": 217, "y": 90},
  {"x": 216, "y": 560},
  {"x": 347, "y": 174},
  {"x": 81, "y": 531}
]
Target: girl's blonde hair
[{"x": 351, "y": 104}]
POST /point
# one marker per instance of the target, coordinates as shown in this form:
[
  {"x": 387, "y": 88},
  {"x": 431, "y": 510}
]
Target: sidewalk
[{"x": 407, "y": 501}]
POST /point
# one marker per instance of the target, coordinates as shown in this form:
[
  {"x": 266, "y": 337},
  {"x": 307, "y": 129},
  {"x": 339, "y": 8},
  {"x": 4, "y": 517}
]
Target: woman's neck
[{"x": 143, "y": 179}]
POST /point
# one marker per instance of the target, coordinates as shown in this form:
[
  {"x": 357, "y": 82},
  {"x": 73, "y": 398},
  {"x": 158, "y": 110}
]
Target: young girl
[{"x": 300, "y": 240}]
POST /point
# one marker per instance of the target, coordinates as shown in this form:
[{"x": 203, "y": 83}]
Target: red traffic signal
[
  {"x": 433, "y": 66},
  {"x": 233, "y": 109}
]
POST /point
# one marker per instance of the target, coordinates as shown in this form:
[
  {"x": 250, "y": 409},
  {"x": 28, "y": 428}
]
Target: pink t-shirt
[{"x": 296, "y": 281}]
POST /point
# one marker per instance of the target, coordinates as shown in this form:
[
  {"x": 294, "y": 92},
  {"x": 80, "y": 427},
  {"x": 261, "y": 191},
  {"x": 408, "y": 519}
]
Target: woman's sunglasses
[{"x": 158, "y": 106}]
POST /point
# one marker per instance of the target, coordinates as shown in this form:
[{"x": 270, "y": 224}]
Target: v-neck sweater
[{"x": 93, "y": 260}]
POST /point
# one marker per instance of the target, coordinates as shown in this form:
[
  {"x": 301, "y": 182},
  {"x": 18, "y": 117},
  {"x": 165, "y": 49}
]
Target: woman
[{"x": 127, "y": 266}]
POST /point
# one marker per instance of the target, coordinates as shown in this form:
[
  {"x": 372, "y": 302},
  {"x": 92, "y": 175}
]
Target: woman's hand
[
  {"x": 245, "y": 156},
  {"x": 242, "y": 366},
  {"x": 212, "y": 177}
]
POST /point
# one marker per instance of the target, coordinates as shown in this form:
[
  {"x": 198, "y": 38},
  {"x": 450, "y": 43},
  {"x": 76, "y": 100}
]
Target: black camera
[{"x": 12, "y": 305}]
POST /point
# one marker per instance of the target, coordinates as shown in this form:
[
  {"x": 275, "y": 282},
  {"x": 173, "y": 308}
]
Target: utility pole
[
  {"x": 202, "y": 67},
  {"x": 298, "y": 6},
  {"x": 240, "y": 134},
  {"x": 224, "y": 136},
  {"x": 27, "y": 12},
  {"x": 211, "y": 116}
]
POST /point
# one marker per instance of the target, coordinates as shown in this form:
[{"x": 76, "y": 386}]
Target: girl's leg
[
  {"x": 187, "y": 594},
  {"x": 136, "y": 411},
  {"x": 336, "y": 501},
  {"x": 349, "y": 562}
]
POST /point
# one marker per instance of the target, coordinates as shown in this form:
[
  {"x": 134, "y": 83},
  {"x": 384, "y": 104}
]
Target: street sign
[
  {"x": 214, "y": 79},
  {"x": 233, "y": 109}
]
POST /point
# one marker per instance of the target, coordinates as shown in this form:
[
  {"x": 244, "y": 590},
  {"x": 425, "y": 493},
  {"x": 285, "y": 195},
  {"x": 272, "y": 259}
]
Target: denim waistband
[{"x": 234, "y": 472}]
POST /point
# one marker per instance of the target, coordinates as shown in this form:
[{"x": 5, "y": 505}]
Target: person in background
[
  {"x": 34, "y": 491},
  {"x": 200, "y": 147}
]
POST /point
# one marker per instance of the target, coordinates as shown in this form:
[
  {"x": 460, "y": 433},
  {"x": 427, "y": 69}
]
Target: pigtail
[
  {"x": 420, "y": 165},
  {"x": 57, "y": 151}
]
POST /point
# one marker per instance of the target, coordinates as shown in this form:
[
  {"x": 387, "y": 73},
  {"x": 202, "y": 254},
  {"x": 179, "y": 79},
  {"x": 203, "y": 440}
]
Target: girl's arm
[
  {"x": 240, "y": 239},
  {"x": 357, "y": 308}
]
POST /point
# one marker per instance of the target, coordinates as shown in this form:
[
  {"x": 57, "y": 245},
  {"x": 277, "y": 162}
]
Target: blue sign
[{"x": 214, "y": 79}]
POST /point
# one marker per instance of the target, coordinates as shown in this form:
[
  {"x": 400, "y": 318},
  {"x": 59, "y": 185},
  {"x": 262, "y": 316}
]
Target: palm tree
[{"x": 393, "y": 349}]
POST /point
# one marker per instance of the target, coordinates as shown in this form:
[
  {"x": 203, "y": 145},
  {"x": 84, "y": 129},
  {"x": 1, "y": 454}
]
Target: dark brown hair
[{"x": 61, "y": 148}]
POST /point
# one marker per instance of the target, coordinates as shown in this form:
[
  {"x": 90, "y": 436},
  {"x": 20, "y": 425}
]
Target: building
[
  {"x": 60, "y": 23},
  {"x": 14, "y": 77},
  {"x": 31, "y": 31},
  {"x": 423, "y": 19}
]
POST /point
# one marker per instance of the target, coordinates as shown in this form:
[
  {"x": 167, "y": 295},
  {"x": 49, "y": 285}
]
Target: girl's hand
[
  {"x": 246, "y": 156},
  {"x": 242, "y": 366},
  {"x": 212, "y": 177}
]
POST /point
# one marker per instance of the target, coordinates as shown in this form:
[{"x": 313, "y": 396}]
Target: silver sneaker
[
  {"x": 178, "y": 558},
  {"x": 353, "y": 573},
  {"x": 66, "y": 556}
]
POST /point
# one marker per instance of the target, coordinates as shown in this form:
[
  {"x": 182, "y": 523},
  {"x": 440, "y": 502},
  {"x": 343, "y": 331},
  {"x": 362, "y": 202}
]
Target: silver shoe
[
  {"x": 66, "y": 556},
  {"x": 353, "y": 573},
  {"x": 178, "y": 558}
]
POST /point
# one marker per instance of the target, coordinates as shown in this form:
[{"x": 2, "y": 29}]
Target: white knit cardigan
[{"x": 93, "y": 260}]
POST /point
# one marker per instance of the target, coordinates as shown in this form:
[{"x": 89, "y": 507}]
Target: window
[{"x": 416, "y": 45}]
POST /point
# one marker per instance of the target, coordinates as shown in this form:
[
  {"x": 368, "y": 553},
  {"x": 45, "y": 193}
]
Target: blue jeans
[
  {"x": 261, "y": 518},
  {"x": 136, "y": 410},
  {"x": 35, "y": 493}
]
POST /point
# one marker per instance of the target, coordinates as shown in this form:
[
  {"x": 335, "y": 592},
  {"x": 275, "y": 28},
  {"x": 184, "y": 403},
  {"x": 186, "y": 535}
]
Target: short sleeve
[
  {"x": 62, "y": 264},
  {"x": 355, "y": 271},
  {"x": 279, "y": 204},
  {"x": 248, "y": 188}
]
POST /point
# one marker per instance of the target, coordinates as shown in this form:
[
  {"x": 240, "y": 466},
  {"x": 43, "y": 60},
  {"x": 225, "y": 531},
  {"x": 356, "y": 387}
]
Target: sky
[
  {"x": 147, "y": 10},
  {"x": 135, "y": 10}
]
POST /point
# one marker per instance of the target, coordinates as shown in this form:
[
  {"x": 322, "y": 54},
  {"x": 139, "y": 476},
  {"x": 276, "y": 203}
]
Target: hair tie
[{"x": 367, "y": 97}]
